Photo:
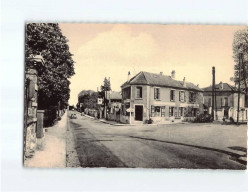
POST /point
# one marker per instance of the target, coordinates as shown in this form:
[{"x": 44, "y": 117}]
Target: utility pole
[
  {"x": 213, "y": 90},
  {"x": 105, "y": 108},
  {"x": 240, "y": 63},
  {"x": 216, "y": 116}
]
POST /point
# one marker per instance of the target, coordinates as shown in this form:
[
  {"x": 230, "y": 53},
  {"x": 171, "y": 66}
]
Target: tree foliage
[
  {"x": 106, "y": 85},
  {"x": 47, "y": 40},
  {"x": 240, "y": 45},
  {"x": 88, "y": 98}
]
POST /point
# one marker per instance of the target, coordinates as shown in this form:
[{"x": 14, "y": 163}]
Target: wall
[
  {"x": 148, "y": 99},
  {"x": 232, "y": 99},
  {"x": 137, "y": 101},
  {"x": 242, "y": 100},
  {"x": 124, "y": 119},
  {"x": 165, "y": 101},
  {"x": 30, "y": 127}
]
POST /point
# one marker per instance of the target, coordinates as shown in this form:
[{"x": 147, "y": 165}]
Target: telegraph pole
[
  {"x": 105, "y": 108},
  {"x": 216, "y": 116},
  {"x": 240, "y": 59},
  {"x": 213, "y": 90}
]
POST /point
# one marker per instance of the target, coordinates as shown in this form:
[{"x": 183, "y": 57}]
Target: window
[
  {"x": 175, "y": 112},
  {"x": 226, "y": 101},
  {"x": 163, "y": 111},
  {"x": 195, "y": 111},
  {"x": 171, "y": 111},
  {"x": 191, "y": 96},
  {"x": 209, "y": 102},
  {"x": 156, "y": 93},
  {"x": 172, "y": 95},
  {"x": 181, "y": 96},
  {"x": 221, "y": 103},
  {"x": 157, "y": 111},
  {"x": 138, "y": 92},
  {"x": 180, "y": 112},
  {"x": 126, "y": 93},
  {"x": 152, "y": 111}
]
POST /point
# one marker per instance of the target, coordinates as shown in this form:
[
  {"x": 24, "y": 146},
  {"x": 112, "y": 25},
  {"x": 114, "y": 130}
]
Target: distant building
[
  {"x": 226, "y": 101},
  {"x": 159, "y": 97},
  {"x": 114, "y": 100}
]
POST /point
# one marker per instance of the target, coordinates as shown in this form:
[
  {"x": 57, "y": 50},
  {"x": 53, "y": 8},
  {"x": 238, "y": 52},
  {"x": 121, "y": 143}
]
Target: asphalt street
[{"x": 98, "y": 144}]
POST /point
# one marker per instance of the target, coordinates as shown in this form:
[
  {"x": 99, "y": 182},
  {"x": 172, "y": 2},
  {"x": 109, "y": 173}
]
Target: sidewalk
[
  {"x": 53, "y": 152},
  {"x": 103, "y": 120}
]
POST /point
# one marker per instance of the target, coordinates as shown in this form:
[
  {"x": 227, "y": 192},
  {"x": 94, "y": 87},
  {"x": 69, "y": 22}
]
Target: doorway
[
  {"x": 139, "y": 113},
  {"x": 226, "y": 113}
]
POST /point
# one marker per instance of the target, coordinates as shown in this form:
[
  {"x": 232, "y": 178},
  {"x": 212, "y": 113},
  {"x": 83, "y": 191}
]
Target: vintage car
[{"x": 73, "y": 116}]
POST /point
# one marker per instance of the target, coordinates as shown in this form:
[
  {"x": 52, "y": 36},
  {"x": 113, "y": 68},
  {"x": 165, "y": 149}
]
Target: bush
[
  {"x": 203, "y": 118},
  {"x": 149, "y": 121},
  {"x": 50, "y": 116},
  {"x": 231, "y": 120}
]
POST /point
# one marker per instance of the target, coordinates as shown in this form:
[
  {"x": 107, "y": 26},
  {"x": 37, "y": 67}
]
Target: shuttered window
[
  {"x": 226, "y": 101},
  {"x": 157, "y": 111},
  {"x": 181, "y": 96},
  {"x": 209, "y": 102},
  {"x": 139, "y": 92},
  {"x": 163, "y": 111},
  {"x": 156, "y": 93},
  {"x": 180, "y": 111},
  {"x": 171, "y": 111},
  {"x": 192, "y": 96},
  {"x": 172, "y": 95},
  {"x": 152, "y": 111}
]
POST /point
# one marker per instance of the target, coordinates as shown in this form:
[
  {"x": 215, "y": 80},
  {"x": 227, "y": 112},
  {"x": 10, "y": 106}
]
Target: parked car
[{"x": 73, "y": 116}]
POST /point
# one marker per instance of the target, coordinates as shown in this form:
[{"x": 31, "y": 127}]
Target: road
[{"x": 166, "y": 146}]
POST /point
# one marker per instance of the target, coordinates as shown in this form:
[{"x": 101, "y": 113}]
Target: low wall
[
  {"x": 188, "y": 119},
  {"x": 165, "y": 119},
  {"x": 124, "y": 119}
]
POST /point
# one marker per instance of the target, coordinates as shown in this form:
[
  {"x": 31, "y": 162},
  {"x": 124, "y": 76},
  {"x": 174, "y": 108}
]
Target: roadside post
[{"x": 130, "y": 110}]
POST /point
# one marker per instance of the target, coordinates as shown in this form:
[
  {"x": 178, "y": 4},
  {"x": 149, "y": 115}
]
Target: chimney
[
  {"x": 173, "y": 74},
  {"x": 161, "y": 73},
  {"x": 221, "y": 85},
  {"x": 184, "y": 81},
  {"x": 128, "y": 76}
]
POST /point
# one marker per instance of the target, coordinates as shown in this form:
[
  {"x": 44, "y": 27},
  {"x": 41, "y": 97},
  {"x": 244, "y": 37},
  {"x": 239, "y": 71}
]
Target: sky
[{"x": 111, "y": 50}]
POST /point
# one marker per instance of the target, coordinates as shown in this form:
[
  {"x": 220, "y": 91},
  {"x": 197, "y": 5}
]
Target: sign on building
[{"x": 99, "y": 100}]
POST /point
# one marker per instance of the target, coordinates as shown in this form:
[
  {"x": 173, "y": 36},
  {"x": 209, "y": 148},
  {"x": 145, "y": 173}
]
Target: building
[
  {"x": 160, "y": 98},
  {"x": 114, "y": 100},
  {"x": 226, "y": 102}
]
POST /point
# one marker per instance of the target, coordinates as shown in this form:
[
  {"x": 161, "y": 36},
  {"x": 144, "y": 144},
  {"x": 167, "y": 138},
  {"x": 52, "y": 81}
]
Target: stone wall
[{"x": 31, "y": 89}]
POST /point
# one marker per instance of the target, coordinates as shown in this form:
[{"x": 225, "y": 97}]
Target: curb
[{"x": 121, "y": 124}]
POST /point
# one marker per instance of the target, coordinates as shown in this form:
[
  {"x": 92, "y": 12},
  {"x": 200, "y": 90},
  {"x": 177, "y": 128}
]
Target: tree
[
  {"x": 240, "y": 45},
  {"x": 47, "y": 40},
  {"x": 104, "y": 88},
  {"x": 106, "y": 85},
  {"x": 88, "y": 98}
]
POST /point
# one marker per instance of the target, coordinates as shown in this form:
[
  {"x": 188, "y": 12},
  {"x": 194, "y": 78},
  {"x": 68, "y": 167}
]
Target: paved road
[{"x": 102, "y": 145}]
